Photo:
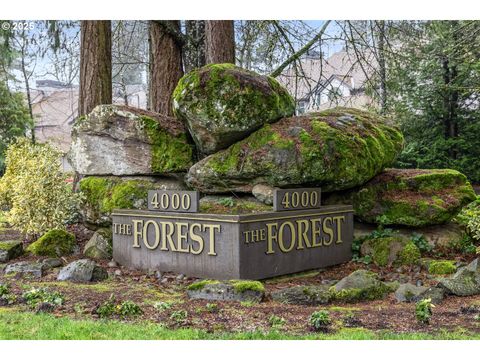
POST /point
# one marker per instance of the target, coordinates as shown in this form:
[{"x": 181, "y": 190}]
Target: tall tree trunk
[
  {"x": 195, "y": 46},
  {"x": 95, "y": 65},
  {"x": 220, "y": 41},
  {"x": 165, "y": 65},
  {"x": 381, "y": 66}
]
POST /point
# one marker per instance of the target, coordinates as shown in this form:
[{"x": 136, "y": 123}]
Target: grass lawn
[{"x": 29, "y": 326}]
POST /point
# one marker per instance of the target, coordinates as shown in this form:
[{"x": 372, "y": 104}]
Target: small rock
[
  {"x": 112, "y": 264},
  {"x": 328, "y": 282},
  {"x": 26, "y": 268},
  {"x": 180, "y": 277},
  {"x": 419, "y": 283},
  {"x": 51, "y": 263},
  {"x": 360, "y": 285},
  {"x": 118, "y": 272},
  {"x": 263, "y": 193},
  {"x": 100, "y": 245},
  {"x": 227, "y": 290},
  {"x": 83, "y": 270},
  {"x": 10, "y": 250},
  {"x": 164, "y": 281},
  {"x": 303, "y": 295},
  {"x": 407, "y": 292},
  {"x": 158, "y": 275}
]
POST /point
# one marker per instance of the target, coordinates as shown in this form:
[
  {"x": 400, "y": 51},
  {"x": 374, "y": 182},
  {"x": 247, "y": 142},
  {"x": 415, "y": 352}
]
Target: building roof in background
[{"x": 317, "y": 73}]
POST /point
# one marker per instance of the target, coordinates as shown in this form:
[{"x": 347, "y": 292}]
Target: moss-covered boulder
[
  {"x": 336, "y": 149},
  {"x": 442, "y": 267},
  {"x": 412, "y": 197},
  {"x": 10, "y": 249},
  {"x": 360, "y": 285},
  {"x": 56, "y": 242},
  {"x": 388, "y": 251},
  {"x": 465, "y": 282},
  {"x": 100, "y": 245},
  {"x": 303, "y": 295},
  {"x": 233, "y": 290},
  {"x": 222, "y": 103},
  {"x": 121, "y": 140},
  {"x": 103, "y": 194}
]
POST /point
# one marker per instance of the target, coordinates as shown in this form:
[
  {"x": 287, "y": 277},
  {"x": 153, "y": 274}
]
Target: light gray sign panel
[
  {"x": 173, "y": 200},
  {"x": 296, "y": 199}
]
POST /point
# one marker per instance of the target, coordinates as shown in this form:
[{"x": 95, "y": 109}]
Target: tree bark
[
  {"x": 220, "y": 41},
  {"x": 195, "y": 46},
  {"x": 381, "y": 66},
  {"x": 166, "y": 67},
  {"x": 95, "y": 65}
]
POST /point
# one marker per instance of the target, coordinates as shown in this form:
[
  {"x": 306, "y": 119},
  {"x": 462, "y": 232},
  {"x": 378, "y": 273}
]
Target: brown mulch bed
[{"x": 81, "y": 300}]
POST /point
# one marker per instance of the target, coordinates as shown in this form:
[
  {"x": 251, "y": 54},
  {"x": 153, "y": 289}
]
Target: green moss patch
[
  {"x": 199, "y": 285},
  {"x": 442, "y": 267},
  {"x": 241, "y": 286},
  {"x": 56, "y": 242}
]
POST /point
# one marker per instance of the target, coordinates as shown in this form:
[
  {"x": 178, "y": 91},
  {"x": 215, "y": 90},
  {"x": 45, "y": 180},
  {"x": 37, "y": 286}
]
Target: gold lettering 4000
[
  {"x": 175, "y": 201},
  {"x": 295, "y": 199}
]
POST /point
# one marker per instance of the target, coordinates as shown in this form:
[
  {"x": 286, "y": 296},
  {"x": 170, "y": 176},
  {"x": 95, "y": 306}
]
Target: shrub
[
  {"x": 35, "y": 189},
  {"x": 56, "y": 242},
  {"x": 129, "y": 308},
  {"x": 423, "y": 311},
  {"x": 42, "y": 295},
  {"x": 107, "y": 309},
  {"x": 276, "y": 321},
  {"x": 421, "y": 242},
  {"x": 320, "y": 320},
  {"x": 469, "y": 217},
  {"x": 4, "y": 289},
  {"x": 161, "y": 306},
  {"x": 212, "y": 308},
  {"x": 179, "y": 316}
]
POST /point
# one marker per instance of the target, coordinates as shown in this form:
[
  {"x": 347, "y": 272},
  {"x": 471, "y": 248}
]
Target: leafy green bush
[
  {"x": 107, "y": 309},
  {"x": 42, "y": 295},
  {"x": 320, "y": 320},
  {"x": 35, "y": 189},
  {"x": 4, "y": 289},
  {"x": 179, "y": 316},
  {"x": 129, "y": 308},
  {"x": 421, "y": 242},
  {"x": 469, "y": 217},
  {"x": 14, "y": 120},
  {"x": 423, "y": 311},
  {"x": 276, "y": 321},
  {"x": 111, "y": 307},
  {"x": 212, "y": 307},
  {"x": 228, "y": 202},
  {"x": 161, "y": 305}
]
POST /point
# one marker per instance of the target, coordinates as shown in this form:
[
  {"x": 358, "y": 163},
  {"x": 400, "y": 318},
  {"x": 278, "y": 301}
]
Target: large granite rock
[
  {"x": 120, "y": 140},
  {"x": 336, "y": 149},
  {"x": 303, "y": 295},
  {"x": 83, "y": 270},
  {"x": 465, "y": 282},
  {"x": 100, "y": 245},
  {"x": 222, "y": 103},
  {"x": 56, "y": 242},
  {"x": 234, "y": 290},
  {"x": 410, "y": 197},
  {"x": 103, "y": 194},
  {"x": 408, "y": 292},
  {"x": 10, "y": 249}
]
